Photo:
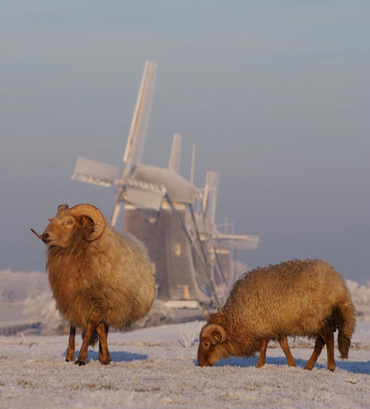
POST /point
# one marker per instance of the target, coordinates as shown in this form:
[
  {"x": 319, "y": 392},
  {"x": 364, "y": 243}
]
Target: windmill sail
[
  {"x": 210, "y": 196},
  {"x": 97, "y": 173},
  {"x": 135, "y": 144},
  {"x": 140, "y": 120},
  {"x": 192, "y": 167},
  {"x": 174, "y": 163}
]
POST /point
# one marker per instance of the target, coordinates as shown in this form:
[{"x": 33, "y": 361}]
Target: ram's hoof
[{"x": 80, "y": 363}]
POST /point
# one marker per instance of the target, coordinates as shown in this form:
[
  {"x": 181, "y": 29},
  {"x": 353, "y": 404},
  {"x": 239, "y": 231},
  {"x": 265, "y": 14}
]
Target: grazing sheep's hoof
[
  {"x": 80, "y": 363},
  {"x": 70, "y": 357},
  {"x": 331, "y": 368}
]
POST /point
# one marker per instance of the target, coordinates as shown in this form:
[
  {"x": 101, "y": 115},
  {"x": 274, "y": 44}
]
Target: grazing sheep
[
  {"x": 296, "y": 298},
  {"x": 99, "y": 277}
]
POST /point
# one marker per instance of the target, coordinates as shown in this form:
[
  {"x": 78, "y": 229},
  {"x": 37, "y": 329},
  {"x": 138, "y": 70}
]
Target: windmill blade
[
  {"x": 97, "y": 173},
  {"x": 192, "y": 167},
  {"x": 141, "y": 194},
  {"x": 174, "y": 162},
  {"x": 210, "y": 196},
  {"x": 140, "y": 120},
  {"x": 145, "y": 197},
  {"x": 116, "y": 211}
]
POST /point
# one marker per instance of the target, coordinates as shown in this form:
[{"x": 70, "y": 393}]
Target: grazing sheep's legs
[
  {"x": 285, "y": 347},
  {"x": 319, "y": 345},
  {"x": 102, "y": 331},
  {"x": 329, "y": 341},
  {"x": 70, "y": 354},
  {"x": 90, "y": 328},
  {"x": 262, "y": 358}
]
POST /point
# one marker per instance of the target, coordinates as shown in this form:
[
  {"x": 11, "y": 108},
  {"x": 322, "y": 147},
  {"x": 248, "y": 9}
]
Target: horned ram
[
  {"x": 99, "y": 277},
  {"x": 296, "y": 298}
]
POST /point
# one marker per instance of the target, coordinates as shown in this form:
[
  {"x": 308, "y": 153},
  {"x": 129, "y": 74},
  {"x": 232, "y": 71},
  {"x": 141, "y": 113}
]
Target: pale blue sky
[{"x": 273, "y": 93}]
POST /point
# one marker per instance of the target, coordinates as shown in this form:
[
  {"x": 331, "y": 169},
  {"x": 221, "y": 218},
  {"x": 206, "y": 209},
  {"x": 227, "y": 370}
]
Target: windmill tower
[{"x": 184, "y": 245}]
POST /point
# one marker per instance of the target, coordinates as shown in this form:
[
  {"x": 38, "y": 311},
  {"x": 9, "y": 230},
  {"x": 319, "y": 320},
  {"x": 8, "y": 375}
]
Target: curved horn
[
  {"x": 216, "y": 332},
  {"x": 95, "y": 215}
]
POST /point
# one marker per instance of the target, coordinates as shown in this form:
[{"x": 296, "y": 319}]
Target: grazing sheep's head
[
  {"x": 212, "y": 345},
  {"x": 83, "y": 218}
]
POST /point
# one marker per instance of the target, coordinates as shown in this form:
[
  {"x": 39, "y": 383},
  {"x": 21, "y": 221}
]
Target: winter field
[{"x": 156, "y": 368}]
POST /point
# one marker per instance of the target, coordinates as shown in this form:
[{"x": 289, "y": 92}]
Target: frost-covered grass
[
  {"x": 189, "y": 333},
  {"x": 151, "y": 370}
]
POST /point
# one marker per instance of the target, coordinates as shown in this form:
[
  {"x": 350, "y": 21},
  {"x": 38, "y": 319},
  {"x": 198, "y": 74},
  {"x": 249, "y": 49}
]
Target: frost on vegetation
[
  {"x": 159, "y": 314},
  {"x": 17, "y": 286},
  {"x": 42, "y": 309},
  {"x": 32, "y": 289},
  {"x": 189, "y": 333},
  {"x": 361, "y": 298}
]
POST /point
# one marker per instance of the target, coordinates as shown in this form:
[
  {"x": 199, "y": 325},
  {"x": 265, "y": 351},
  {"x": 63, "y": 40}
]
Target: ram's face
[
  {"x": 212, "y": 346},
  {"x": 59, "y": 230},
  {"x": 84, "y": 218}
]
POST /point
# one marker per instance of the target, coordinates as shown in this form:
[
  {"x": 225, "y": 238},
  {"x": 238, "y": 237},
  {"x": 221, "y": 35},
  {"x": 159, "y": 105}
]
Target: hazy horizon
[{"x": 274, "y": 95}]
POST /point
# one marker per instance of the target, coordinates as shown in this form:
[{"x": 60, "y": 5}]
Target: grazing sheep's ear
[
  {"x": 63, "y": 207},
  {"x": 215, "y": 332},
  {"x": 95, "y": 215},
  {"x": 216, "y": 338}
]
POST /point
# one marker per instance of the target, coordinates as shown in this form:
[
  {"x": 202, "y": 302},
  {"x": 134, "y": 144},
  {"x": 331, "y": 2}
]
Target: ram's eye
[
  {"x": 206, "y": 344},
  {"x": 69, "y": 221}
]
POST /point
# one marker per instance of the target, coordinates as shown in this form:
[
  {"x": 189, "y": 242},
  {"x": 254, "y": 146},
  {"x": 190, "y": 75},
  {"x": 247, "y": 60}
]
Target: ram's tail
[{"x": 346, "y": 322}]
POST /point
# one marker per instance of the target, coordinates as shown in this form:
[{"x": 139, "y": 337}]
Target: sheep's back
[{"x": 293, "y": 298}]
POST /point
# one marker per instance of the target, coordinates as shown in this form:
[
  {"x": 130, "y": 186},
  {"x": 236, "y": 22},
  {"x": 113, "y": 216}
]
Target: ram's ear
[
  {"x": 215, "y": 332},
  {"x": 84, "y": 221},
  {"x": 87, "y": 225},
  {"x": 216, "y": 338},
  {"x": 93, "y": 215}
]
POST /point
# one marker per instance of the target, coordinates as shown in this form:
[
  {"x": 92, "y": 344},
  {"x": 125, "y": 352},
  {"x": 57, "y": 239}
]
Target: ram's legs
[
  {"x": 90, "y": 328},
  {"x": 329, "y": 341},
  {"x": 262, "y": 357},
  {"x": 319, "y": 345},
  {"x": 285, "y": 347},
  {"x": 326, "y": 337},
  {"x": 102, "y": 331},
  {"x": 70, "y": 354}
]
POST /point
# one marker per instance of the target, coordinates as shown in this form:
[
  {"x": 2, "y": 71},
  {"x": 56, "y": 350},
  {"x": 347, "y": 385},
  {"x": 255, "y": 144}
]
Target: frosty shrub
[
  {"x": 17, "y": 286},
  {"x": 361, "y": 298},
  {"x": 189, "y": 333},
  {"x": 42, "y": 309},
  {"x": 159, "y": 314}
]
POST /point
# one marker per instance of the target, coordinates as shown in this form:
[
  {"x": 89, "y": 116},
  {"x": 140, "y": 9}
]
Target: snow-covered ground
[{"x": 152, "y": 370}]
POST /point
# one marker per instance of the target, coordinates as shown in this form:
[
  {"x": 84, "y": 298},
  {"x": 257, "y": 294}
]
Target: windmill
[
  {"x": 129, "y": 190},
  {"x": 184, "y": 244}
]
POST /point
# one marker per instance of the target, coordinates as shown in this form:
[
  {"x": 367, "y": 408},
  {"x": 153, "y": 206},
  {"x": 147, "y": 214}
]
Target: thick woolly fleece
[
  {"x": 111, "y": 275},
  {"x": 295, "y": 298}
]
